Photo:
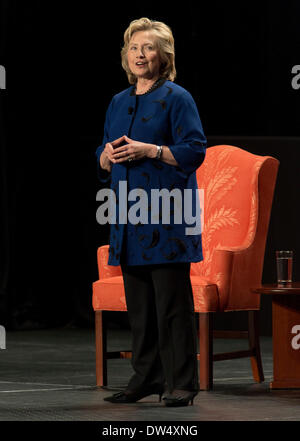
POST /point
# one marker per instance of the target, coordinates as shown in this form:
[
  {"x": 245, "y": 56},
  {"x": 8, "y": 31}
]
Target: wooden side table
[{"x": 286, "y": 333}]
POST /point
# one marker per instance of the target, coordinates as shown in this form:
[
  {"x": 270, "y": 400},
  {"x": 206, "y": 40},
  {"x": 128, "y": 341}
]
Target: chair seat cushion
[{"x": 109, "y": 294}]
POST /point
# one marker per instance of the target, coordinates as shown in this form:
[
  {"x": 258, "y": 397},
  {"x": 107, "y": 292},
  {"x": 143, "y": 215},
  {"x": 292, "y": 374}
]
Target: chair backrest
[{"x": 238, "y": 192}]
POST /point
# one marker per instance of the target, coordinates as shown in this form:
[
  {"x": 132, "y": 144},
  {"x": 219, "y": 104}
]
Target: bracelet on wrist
[{"x": 159, "y": 151}]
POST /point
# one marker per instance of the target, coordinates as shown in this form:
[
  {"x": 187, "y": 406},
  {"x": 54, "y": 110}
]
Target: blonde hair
[{"x": 165, "y": 46}]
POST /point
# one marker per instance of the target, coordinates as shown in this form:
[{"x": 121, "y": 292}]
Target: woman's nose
[{"x": 140, "y": 53}]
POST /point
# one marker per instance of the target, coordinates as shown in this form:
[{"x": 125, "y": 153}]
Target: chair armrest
[
  {"x": 236, "y": 271},
  {"x": 104, "y": 269},
  {"x": 222, "y": 273}
]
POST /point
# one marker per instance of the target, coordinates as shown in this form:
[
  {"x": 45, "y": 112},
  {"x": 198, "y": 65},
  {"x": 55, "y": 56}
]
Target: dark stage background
[{"x": 63, "y": 66}]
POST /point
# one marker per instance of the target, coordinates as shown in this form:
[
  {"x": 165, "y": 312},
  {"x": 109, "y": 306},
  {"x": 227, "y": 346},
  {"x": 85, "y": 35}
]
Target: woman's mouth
[{"x": 141, "y": 63}]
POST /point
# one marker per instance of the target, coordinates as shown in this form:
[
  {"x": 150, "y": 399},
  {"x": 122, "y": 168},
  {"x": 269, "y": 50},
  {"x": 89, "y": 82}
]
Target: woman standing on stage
[{"x": 153, "y": 139}]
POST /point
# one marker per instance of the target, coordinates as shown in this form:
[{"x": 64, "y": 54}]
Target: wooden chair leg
[
  {"x": 206, "y": 351},
  {"x": 256, "y": 363},
  {"x": 101, "y": 358}
]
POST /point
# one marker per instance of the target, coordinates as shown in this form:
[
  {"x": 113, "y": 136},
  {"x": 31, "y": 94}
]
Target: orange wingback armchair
[{"x": 238, "y": 193}]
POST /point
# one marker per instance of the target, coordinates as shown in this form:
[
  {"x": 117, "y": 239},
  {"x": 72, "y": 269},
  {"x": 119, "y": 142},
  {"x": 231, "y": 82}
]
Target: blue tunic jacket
[{"x": 166, "y": 116}]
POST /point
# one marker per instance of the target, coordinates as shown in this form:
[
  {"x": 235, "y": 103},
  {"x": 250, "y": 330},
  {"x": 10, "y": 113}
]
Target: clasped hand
[{"x": 133, "y": 150}]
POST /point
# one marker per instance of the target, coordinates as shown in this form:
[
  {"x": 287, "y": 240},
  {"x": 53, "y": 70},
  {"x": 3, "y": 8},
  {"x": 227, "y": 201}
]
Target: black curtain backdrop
[{"x": 63, "y": 66}]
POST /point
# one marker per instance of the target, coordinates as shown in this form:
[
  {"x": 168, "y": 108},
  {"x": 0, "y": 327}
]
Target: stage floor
[{"x": 49, "y": 375}]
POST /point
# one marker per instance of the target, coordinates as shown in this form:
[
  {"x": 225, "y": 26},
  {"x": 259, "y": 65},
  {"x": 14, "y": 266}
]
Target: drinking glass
[{"x": 284, "y": 261}]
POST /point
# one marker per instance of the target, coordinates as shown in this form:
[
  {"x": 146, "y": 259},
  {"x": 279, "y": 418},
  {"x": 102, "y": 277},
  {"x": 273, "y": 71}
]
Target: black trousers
[{"x": 161, "y": 315}]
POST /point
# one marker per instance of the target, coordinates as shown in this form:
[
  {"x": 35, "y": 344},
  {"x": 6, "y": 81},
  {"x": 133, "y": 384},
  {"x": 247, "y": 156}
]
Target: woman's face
[{"x": 143, "y": 56}]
